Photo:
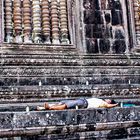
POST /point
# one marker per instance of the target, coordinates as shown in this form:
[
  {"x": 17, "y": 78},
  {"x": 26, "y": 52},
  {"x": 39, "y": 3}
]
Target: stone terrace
[
  {"x": 30, "y": 79},
  {"x": 101, "y": 61}
]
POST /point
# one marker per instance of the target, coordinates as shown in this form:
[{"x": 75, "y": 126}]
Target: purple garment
[{"x": 81, "y": 103}]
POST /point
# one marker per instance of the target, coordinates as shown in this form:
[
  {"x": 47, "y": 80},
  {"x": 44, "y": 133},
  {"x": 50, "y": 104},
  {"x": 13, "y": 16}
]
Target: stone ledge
[
  {"x": 67, "y": 117},
  {"x": 115, "y": 134},
  {"x": 69, "y": 71},
  {"x": 56, "y": 122},
  {"x": 37, "y": 49},
  {"x": 68, "y": 59},
  {"x": 67, "y": 129},
  {"x": 37, "y": 94}
]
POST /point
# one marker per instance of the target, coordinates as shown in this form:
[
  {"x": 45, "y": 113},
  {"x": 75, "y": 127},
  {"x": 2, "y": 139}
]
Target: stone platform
[
  {"x": 41, "y": 74},
  {"x": 102, "y": 60},
  {"x": 29, "y": 78},
  {"x": 75, "y": 124}
]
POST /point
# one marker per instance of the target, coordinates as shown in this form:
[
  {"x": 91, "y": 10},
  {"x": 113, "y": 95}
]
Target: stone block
[
  {"x": 116, "y": 4},
  {"x": 99, "y": 17},
  {"x": 118, "y": 32},
  {"x": 108, "y": 17},
  {"x": 67, "y": 117},
  {"x": 119, "y": 46},
  {"x": 108, "y": 32},
  {"x": 91, "y": 4},
  {"x": 6, "y": 120},
  {"x": 96, "y": 4},
  {"x": 0, "y": 28},
  {"x": 117, "y": 17},
  {"x": 89, "y": 16},
  {"x": 89, "y": 30},
  {"x": 98, "y": 31},
  {"x": 93, "y": 17},
  {"x": 92, "y": 46},
  {"x": 104, "y": 45}
]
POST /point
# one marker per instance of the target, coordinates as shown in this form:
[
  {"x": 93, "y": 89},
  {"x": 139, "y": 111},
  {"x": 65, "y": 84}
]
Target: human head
[{"x": 110, "y": 101}]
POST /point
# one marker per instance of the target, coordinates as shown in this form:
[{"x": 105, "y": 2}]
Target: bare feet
[
  {"x": 46, "y": 106},
  {"x": 39, "y": 108}
]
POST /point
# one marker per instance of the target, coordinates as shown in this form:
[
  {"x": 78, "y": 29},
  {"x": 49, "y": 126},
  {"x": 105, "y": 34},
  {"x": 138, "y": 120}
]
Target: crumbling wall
[
  {"x": 37, "y": 73},
  {"x": 71, "y": 124},
  {"x": 0, "y": 22},
  {"x": 105, "y": 26}
]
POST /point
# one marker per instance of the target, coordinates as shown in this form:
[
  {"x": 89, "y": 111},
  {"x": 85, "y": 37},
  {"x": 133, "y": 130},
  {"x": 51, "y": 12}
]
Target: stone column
[
  {"x": 8, "y": 22},
  {"x": 36, "y": 21},
  {"x": 1, "y": 23},
  {"x": 27, "y": 21},
  {"x": 55, "y": 22},
  {"x": 64, "y": 22},
  {"x": 137, "y": 19},
  {"x": 46, "y": 20},
  {"x": 0, "y": 29},
  {"x": 17, "y": 17}
]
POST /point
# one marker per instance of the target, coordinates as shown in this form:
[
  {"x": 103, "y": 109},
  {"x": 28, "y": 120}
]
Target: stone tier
[
  {"x": 29, "y": 77},
  {"x": 35, "y": 93},
  {"x": 38, "y": 75},
  {"x": 92, "y": 123}
]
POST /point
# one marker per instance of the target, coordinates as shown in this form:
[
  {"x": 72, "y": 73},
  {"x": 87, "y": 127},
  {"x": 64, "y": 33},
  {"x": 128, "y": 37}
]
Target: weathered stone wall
[
  {"x": 62, "y": 124},
  {"x": 0, "y": 22},
  {"x": 135, "y": 15},
  {"x": 37, "y": 73},
  {"x": 41, "y": 76},
  {"x": 104, "y": 26}
]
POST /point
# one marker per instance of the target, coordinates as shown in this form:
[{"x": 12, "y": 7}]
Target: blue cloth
[
  {"x": 128, "y": 105},
  {"x": 81, "y": 103}
]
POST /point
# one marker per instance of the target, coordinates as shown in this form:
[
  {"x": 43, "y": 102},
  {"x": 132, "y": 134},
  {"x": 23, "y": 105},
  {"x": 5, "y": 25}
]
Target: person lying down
[{"x": 81, "y": 103}]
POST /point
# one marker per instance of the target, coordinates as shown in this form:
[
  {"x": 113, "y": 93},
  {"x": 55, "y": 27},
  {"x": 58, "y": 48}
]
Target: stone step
[
  {"x": 66, "y": 74},
  {"x": 68, "y": 71},
  {"x": 32, "y": 106},
  {"x": 65, "y": 59},
  {"x": 63, "y": 80},
  {"x": 43, "y": 93},
  {"x": 35, "y": 48},
  {"x": 69, "y": 121},
  {"x": 119, "y": 134},
  {"x": 91, "y": 135}
]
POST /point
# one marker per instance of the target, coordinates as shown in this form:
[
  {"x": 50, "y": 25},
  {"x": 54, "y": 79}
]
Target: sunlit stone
[
  {"x": 36, "y": 13},
  {"x": 17, "y": 17},
  {"x": 27, "y": 21},
  {"x": 64, "y": 22},
  {"x": 55, "y": 22},
  {"x": 8, "y": 21},
  {"x": 46, "y": 20}
]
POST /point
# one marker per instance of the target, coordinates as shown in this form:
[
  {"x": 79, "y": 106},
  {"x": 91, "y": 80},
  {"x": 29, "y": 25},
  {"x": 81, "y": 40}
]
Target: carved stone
[
  {"x": 46, "y": 20},
  {"x": 8, "y": 21},
  {"x": 55, "y": 22},
  {"x": 36, "y": 13},
  {"x": 34, "y": 74},
  {"x": 27, "y": 21},
  {"x": 64, "y": 22},
  {"x": 17, "y": 18}
]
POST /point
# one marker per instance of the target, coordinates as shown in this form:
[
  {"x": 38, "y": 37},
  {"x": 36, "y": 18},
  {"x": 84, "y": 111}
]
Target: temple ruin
[{"x": 66, "y": 49}]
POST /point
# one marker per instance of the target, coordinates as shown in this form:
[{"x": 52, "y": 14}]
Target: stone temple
[{"x": 66, "y": 49}]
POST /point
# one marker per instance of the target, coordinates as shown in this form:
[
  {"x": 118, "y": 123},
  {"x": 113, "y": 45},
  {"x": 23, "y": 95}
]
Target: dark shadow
[{"x": 117, "y": 134}]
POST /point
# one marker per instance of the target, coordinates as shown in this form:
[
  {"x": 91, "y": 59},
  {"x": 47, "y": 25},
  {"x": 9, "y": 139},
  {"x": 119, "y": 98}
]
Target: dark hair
[{"x": 113, "y": 102}]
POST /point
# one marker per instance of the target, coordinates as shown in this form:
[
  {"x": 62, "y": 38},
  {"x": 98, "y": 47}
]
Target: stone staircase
[{"x": 31, "y": 75}]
